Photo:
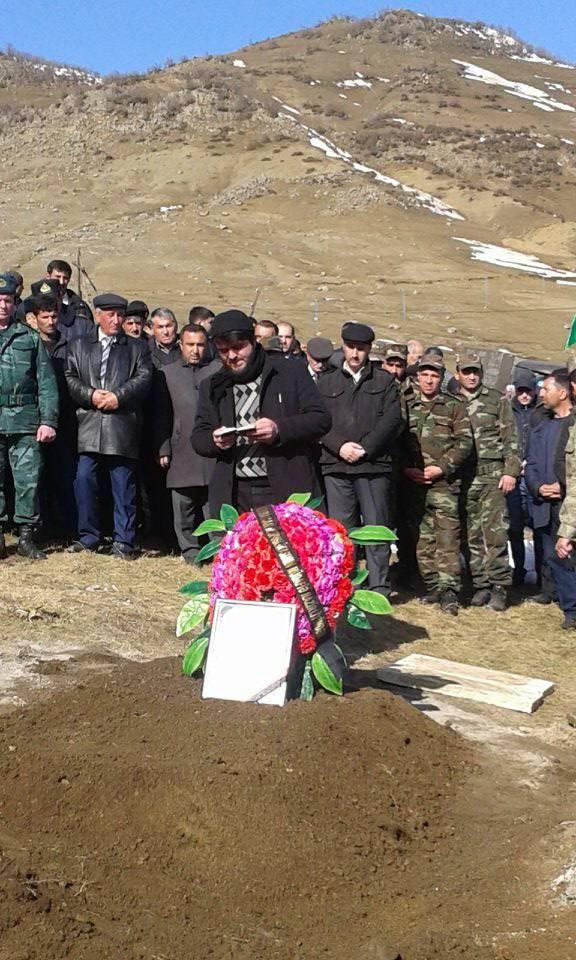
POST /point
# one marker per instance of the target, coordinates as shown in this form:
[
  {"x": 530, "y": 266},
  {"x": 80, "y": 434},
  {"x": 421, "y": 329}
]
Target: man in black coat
[
  {"x": 74, "y": 317},
  {"x": 175, "y": 401},
  {"x": 260, "y": 418},
  {"x": 164, "y": 340},
  {"x": 108, "y": 376},
  {"x": 356, "y": 460}
]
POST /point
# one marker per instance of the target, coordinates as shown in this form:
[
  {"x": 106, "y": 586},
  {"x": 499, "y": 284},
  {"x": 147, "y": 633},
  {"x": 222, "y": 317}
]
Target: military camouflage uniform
[
  {"x": 484, "y": 510},
  {"x": 567, "y": 528},
  {"x": 439, "y": 434},
  {"x": 28, "y": 398}
]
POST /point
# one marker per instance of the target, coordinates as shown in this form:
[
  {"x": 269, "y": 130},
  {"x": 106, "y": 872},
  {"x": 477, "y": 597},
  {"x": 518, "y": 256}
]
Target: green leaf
[
  {"x": 359, "y": 577},
  {"x": 371, "y": 602},
  {"x": 324, "y": 675},
  {"x": 314, "y": 504},
  {"x": 228, "y": 515},
  {"x": 301, "y": 498},
  {"x": 195, "y": 654},
  {"x": 357, "y": 618},
  {"x": 209, "y": 526},
  {"x": 208, "y": 551},
  {"x": 371, "y": 534},
  {"x": 191, "y": 614},
  {"x": 194, "y": 588},
  {"x": 307, "y": 688}
]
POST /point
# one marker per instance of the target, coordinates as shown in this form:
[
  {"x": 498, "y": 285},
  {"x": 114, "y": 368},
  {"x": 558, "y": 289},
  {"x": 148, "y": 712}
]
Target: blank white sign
[{"x": 249, "y": 652}]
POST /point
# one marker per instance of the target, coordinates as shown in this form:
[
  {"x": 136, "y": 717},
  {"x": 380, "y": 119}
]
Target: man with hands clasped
[
  {"x": 356, "y": 459},
  {"x": 108, "y": 376}
]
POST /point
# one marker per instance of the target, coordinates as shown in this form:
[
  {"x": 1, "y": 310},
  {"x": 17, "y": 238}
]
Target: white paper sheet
[{"x": 249, "y": 651}]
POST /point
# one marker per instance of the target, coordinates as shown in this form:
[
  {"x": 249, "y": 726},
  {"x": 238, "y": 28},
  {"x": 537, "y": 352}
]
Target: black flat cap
[
  {"x": 357, "y": 332},
  {"x": 320, "y": 348},
  {"x": 110, "y": 301},
  {"x": 48, "y": 285},
  {"x": 231, "y": 321},
  {"x": 137, "y": 308},
  {"x": 8, "y": 285}
]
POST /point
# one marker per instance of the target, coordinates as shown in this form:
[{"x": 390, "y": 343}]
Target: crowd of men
[{"x": 117, "y": 428}]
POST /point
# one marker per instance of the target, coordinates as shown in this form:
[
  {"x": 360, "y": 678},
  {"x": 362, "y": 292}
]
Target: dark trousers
[
  {"x": 58, "y": 511},
  {"x": 518, "y": 520},
  {"x": 356, "y": 500},
  {"x": 122, "y": 474},
  {"x": 190, "y": 507},
  {"x": 251, "y": 494},
  {"x": 544, "y": 543},
  {"x": 564, "y": 576}
]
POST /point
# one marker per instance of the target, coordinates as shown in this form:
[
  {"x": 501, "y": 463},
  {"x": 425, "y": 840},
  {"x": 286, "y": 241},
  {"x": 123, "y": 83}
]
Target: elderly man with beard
[{"x": 259, "y": 418}]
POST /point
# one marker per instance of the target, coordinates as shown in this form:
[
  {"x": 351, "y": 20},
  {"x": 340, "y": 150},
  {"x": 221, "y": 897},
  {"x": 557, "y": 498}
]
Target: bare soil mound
[{"x": 137, "y": 821}]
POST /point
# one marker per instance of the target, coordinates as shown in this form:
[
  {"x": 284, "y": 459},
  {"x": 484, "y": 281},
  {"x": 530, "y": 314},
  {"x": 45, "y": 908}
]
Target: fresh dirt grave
[{"x": 138, "y": 821}]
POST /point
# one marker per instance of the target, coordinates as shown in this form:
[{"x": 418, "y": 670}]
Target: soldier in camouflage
[
  {"x": 438, "y": 443},
  {"x": 488, "y": 477},
  {"x": 28, "y": 417}
]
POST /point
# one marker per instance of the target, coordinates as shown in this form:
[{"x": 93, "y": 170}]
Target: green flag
[{"x": 571, "y": 339}]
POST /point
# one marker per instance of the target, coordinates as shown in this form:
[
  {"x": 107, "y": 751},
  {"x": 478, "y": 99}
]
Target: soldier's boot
[
  {"x": 449, "y": 602},
  {"x": 429, "y": 599},
  {"x": 481, "y": 597},
  {"x": 26, "y": 546},
  {"x": 498, "y": 599},
  {"x": 3, "y": 550}
]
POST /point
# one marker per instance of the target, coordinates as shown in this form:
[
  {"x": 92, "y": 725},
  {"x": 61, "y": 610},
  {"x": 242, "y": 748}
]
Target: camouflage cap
[
  {"x": 469, "y": 361},
  {"x": 378, "y": 350},
  {"x": 431, "y": 361},
  {"x": 8, "y": 285},
  {"x": 271, "y": 344},
  {"x": 396, "y": 351}
]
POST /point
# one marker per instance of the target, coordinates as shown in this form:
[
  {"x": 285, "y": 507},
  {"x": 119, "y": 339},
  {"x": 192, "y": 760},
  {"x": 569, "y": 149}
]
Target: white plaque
[{"x": 249, "y": 652}]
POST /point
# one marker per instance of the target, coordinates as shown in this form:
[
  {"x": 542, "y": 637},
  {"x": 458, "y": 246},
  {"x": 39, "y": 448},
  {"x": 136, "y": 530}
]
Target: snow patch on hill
[
  {"x": 514, "y": 260},
  {"x": 333, "y": 152},
  {"x": 539, "y": 98}
]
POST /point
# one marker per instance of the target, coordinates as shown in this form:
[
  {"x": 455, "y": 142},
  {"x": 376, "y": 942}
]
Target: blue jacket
[{"x": 545, "y": 464}]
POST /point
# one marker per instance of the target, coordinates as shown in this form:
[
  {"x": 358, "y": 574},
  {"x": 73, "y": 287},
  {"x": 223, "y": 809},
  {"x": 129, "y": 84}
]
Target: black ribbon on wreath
[{"x": 304, "y": 589}]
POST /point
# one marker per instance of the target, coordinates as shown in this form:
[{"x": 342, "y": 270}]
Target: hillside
[{"x": 415, "y": 172}]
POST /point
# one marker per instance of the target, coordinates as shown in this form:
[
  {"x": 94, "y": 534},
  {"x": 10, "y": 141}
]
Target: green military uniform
[
  {"x": 439, "y": 434},
  {"x": 483, "y": 505},
  {"x": 28, "y": 398}
]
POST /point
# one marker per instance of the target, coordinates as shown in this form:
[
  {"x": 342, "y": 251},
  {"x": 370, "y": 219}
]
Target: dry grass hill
[{"x": 415, "y": 172}]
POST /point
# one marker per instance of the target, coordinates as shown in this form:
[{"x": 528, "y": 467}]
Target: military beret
[
  {"x": 432, "y": 361},
  {"x": 137, "y": 308},
  {"x": 469, "y": 361},
  {"x": 46, "y": 286},
  {"x": 8, "y": 285},
  {"x": 16, "y": 275},
  {"x": 110, "y": 301},
  {"x": 320, "y": 348},
  {"x": 231, "y": 321},
  {"x": 357, "y": 332}
]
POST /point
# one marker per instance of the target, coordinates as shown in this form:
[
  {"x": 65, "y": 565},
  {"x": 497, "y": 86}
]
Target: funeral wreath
[{"x": 287, "y": 553}]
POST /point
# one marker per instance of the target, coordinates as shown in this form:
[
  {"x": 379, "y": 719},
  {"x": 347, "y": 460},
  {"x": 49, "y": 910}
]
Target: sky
[{"x": 121, "y": 36}]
